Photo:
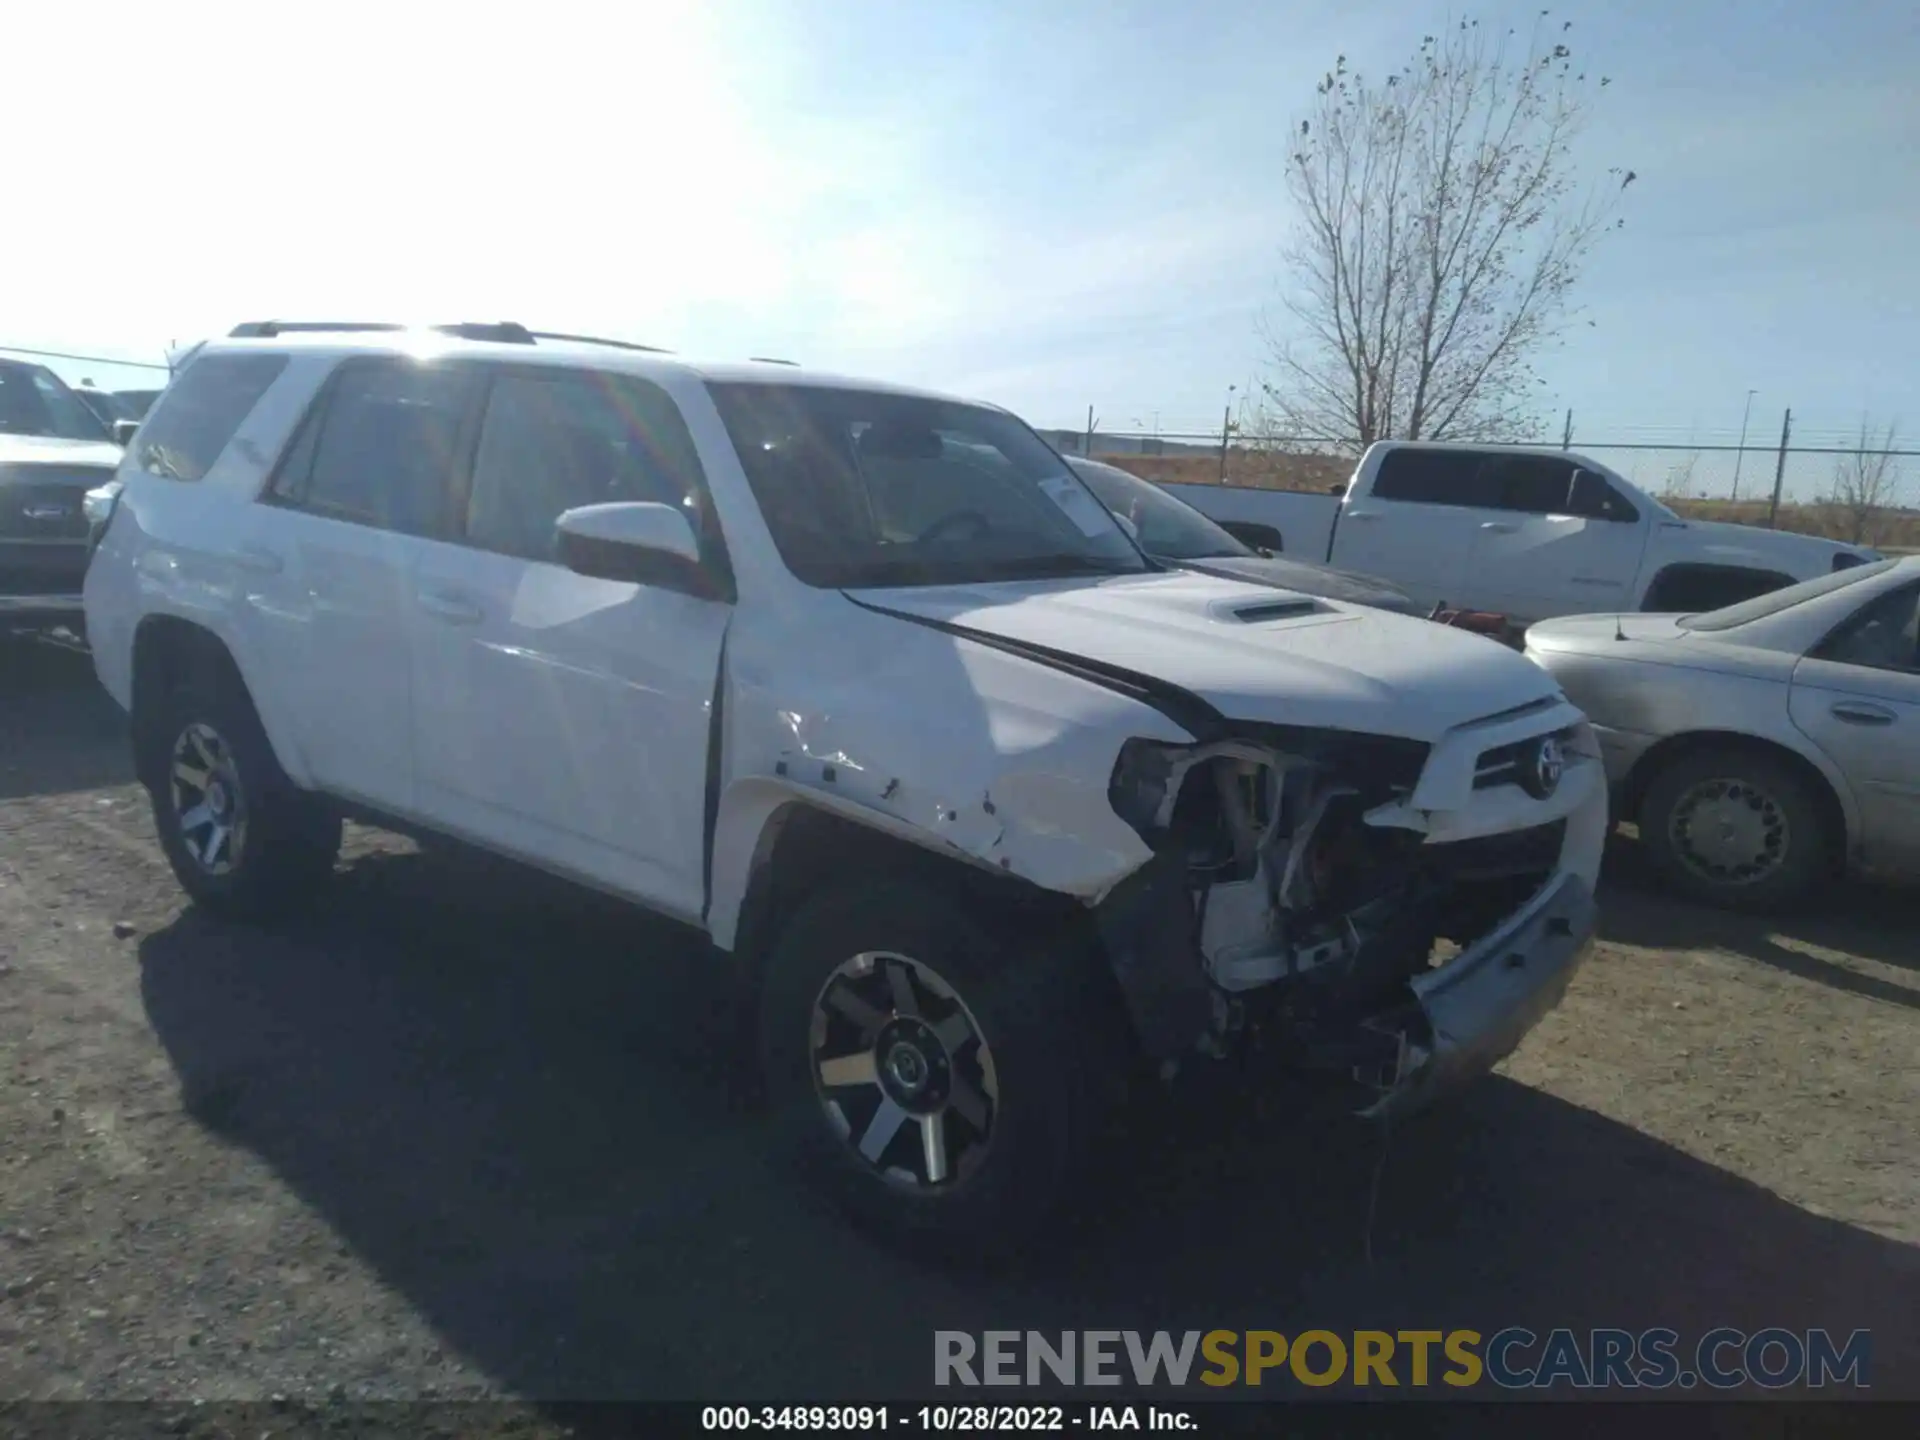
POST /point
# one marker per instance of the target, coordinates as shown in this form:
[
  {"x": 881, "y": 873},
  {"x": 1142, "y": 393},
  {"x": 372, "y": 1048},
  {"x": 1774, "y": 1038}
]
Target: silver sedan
[{"x": 1766, "y": 747}]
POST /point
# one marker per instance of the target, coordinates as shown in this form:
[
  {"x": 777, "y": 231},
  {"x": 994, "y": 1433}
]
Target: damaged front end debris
[{"x": 1274, "y": 916}]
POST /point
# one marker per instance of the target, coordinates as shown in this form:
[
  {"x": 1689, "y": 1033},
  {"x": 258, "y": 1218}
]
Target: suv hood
[
  {"x": 51, "y": 450},
  {"x": 1306, "y": 578},
  {"x": 1329, "y": 664}
]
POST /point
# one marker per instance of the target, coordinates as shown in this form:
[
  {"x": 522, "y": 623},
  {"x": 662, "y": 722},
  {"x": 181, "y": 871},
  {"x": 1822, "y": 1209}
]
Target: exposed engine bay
[{"x": 1305, "y": 921}]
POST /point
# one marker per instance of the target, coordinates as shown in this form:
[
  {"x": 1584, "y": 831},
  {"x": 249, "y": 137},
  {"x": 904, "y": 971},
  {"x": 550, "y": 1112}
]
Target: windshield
[
  {"x": 1167, "y": 527},
  {"x": 1774, "y": 601},
  {"x": 35, "y": 401},
  {"x": 862, "y": 488}
]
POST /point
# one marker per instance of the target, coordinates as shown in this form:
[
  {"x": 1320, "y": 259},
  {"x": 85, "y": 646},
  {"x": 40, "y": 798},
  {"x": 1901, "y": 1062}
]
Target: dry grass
[{"x": 1895, "y": 531}]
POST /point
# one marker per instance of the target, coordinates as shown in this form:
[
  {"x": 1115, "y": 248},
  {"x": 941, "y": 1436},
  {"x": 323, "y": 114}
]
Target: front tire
[
  {"x": 941, "y": 1082},
  {"x": 1736, "y": 829},
  {"x": 241, "y": 838}
]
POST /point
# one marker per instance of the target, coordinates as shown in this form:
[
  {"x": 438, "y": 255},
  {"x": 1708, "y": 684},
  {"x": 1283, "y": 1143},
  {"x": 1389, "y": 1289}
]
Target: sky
[{"x": 1048, "y": 204}]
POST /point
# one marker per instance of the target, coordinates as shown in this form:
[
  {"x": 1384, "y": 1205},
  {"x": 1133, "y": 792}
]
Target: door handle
[
  {"x": 260, "y": 562},
  {"x": 1499, "y": 527},
  {"x": 1363, "y": 515},
  {"x": 1858, "y": 714},
  {"x": 454, "y": 609}
]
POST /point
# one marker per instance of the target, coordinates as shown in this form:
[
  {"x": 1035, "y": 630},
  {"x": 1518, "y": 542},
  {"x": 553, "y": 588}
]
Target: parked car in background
[
  {"x": 1523, "y": 532},
  {"x": 107, "y": 407},
  {"x": 1765, "y": 747},
  {"x": 53, "y": 450},
  {"x": 136, "y": 403},
  {"x": 864, "y": 684},
  {"x": 1173, "y": 531}
]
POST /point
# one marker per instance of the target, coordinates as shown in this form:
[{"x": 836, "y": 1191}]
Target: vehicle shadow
[
  {"x": 1871, "y": 920},
  {"x": 533, "y": 1114},
  {"x": 59, "y": 731}
]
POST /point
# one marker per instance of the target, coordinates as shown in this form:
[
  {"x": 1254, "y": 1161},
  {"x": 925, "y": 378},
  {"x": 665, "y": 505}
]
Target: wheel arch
[
  {"x": 1829, "y": 789},
  {"x": 1689, "y": 578},
  {"x": 169, "y": 650},
  {"x": 773, "y": 846}
]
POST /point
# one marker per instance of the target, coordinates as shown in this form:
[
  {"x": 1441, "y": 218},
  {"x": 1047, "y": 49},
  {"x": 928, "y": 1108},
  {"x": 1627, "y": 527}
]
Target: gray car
[
  {"x": 1173, "y": 531},
  {"x": 1765, "y": 747}
]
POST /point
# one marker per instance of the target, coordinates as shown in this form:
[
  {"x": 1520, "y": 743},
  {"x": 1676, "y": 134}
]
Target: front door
[
  {"x": 557, "y": 717},
  {"x": 1414, "y": 524},
  {"x": 1564, "y": 541},
  {"x": 1858, "y": 697}
]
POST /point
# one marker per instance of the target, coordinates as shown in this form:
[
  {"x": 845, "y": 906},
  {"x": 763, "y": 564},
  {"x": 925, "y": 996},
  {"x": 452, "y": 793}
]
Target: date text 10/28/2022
[{"x": 873, "y": 1419}]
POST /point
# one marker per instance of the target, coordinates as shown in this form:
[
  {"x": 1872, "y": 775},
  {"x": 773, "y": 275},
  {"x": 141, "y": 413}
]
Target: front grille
[
  {"x": 48, "y": 506},
  {"x": 1502, "y": 764}
]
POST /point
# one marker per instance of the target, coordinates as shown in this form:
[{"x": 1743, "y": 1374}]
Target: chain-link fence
[{"x": 1860, "y": 484}]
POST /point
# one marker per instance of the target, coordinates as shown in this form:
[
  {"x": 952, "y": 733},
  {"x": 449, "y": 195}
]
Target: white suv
[{"x": 865, "y": 684}]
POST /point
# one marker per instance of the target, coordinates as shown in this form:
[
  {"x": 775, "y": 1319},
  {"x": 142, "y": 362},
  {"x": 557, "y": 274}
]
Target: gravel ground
[{"x": 472, "y": 1135}]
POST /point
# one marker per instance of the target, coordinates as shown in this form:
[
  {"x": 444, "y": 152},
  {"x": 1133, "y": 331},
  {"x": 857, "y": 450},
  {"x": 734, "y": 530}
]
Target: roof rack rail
[
  {"x": 597, "y": 340},
  {"x": 769, "y": 360},
  {"x": 506, "y": 331}
]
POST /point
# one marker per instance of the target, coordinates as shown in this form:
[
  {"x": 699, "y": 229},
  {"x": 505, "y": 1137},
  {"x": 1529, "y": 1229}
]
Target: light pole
[{"x": 1741, "y": 454}]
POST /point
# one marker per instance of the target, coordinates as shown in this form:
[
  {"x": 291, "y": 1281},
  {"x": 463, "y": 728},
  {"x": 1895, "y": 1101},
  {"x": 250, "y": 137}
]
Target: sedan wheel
[
  {"x": 1729, "y": 832},
  {"x": 1743, "y": 828}
]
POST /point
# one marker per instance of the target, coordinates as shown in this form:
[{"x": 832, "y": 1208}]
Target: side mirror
[
  {"x": 124, "y": 431},
  {"x": 1249, "y": 532},
  {"x": 639, "y": 542}
]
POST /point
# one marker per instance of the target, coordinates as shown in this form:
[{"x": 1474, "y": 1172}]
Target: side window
[
  {"x": 1883, "y": 636},
  {"x": 386, "y": 450},
  {"x": 1529, "y": 484},
  {"x": 200, "y": 411},
  {"x": 1595, "y": 498},
  {"x": 552, "y": 441},
  {"x": 1434, "y": 477}
]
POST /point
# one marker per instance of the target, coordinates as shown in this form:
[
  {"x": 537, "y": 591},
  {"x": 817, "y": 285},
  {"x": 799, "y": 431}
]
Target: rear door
[
  {"x": 557, "y": 717},
  {"x": 368, "y": 482},
  {"x": 1857, "y": 696},
  {"x": 1563, "y": 540},
  {"x": 1415, "y": 523}
]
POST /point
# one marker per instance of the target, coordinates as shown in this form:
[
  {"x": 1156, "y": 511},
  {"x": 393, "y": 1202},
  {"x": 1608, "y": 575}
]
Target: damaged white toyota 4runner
[{"x": 864, "y": 684}]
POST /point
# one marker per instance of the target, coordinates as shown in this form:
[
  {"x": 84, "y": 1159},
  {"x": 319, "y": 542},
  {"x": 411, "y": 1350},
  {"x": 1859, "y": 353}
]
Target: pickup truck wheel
[
  {"x": 937, "y": 1079},
  {"x": 1737, "y": 829},
  {"x": 241, "y": 839}
]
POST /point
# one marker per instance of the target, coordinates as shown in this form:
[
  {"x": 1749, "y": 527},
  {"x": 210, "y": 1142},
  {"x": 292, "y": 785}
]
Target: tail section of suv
[{"x": 864, "y": 683}]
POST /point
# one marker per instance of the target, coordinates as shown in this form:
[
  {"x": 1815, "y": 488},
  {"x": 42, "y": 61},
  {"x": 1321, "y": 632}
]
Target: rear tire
[
  {"x": 242, "y": 839},
  {"x": 940, "y": 1081},
  {"x": 1738, "y": 829}
]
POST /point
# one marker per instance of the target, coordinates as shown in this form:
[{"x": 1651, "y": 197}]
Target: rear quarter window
[{"x": 200, "y": 411}]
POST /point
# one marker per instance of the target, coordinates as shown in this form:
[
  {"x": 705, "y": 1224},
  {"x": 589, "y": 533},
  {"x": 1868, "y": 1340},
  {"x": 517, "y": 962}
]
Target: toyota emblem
[{"x": 1540, "y": 777}]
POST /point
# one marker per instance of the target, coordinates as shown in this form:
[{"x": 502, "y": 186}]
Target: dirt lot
[{"x": 468, "y": 1134}]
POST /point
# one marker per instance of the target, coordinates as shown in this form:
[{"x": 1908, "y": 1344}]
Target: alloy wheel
[
  {"x": 903, "y": 1071},
  {"x": 209, "y": 803}
]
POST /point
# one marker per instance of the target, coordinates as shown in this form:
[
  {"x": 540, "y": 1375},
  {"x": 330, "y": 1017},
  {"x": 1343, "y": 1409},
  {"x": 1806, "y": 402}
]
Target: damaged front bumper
[{"x": 1477, "y": 1007}]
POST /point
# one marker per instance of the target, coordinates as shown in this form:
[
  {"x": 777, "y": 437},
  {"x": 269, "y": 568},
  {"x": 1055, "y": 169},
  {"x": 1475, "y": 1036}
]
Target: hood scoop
[{"x": 1267, "y": 611}]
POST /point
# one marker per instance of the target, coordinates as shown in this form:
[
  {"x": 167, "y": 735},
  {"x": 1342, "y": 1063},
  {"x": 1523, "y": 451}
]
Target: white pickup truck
[
  {"x": 864, "y": 685},
  {"x": 1530, "y": 534}
]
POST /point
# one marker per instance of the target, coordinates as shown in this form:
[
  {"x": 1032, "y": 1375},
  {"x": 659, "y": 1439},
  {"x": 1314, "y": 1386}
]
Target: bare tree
[
  {"x": 1679, "y": 482},
  {"x": 1439, "y": 237},
  {"x": 1865, "y": 482}
]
